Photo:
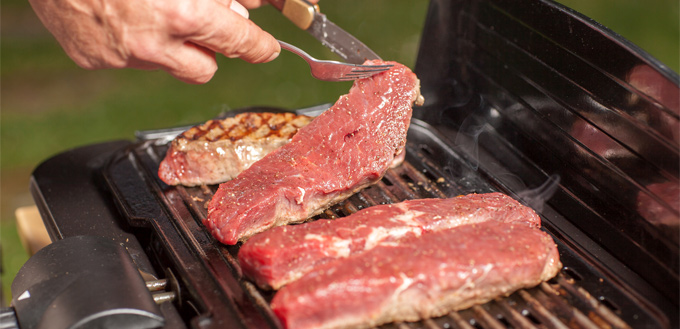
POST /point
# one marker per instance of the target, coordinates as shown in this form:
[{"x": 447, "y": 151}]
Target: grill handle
[{"x": 84, "y": 282}]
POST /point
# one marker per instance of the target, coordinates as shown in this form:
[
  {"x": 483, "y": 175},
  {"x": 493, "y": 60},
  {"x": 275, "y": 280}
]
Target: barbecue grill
[{"x": 526, "y": 98}]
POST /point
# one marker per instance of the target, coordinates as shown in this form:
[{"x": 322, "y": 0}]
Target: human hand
[{"x": 178, "y": 36}]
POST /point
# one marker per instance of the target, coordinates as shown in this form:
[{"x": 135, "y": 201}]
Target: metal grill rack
[{"x": 213, "y": 290}]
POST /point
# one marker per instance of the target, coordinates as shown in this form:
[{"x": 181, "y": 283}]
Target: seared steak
[
  {"x": 345, "y": 149},
  {"x": 284, "y": 254},
  {"x": 420, "y": 277},
  {"x": 218, "y": 150}
]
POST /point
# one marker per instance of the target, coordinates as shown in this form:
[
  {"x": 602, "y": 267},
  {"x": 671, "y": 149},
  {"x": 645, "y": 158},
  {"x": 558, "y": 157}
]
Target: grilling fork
[{"x": 334, "y": 70}]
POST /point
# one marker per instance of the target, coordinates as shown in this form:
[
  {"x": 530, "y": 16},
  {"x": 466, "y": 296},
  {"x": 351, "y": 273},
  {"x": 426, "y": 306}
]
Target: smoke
[
  {"x": 468, "y": 138},
  {"x": 536, "y": 198}
]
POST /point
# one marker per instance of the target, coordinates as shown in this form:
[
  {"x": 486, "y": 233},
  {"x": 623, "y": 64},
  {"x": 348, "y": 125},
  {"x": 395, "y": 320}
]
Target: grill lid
[{"x": 551, "y": 95}]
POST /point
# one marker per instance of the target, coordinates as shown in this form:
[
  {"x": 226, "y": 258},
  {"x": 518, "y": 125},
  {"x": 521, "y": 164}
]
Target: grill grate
[{"x": 210, "y": 278}]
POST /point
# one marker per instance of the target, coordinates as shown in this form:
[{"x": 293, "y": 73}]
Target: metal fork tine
[
  {"x": 355, "y": 77},
  {"x": 373, "y": 67},
  {"x": 377, "y": 69},
  {"x": 336, "y": 71},
  {"x": 367, "y": 71},
  {"x": 385, "y": 66}
]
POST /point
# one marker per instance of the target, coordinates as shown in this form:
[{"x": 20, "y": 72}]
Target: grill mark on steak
[
  {"x": 320, "y": 167},
  {"x": 420, "y": 277},
  {"x": 284, "y": 254},
  {"x": 253, "y": 125},
  {"x": 218, "y": 150}
]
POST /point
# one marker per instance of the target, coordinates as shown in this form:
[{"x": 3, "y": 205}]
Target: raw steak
[
  {"x": 420, "y": 277},
  {"x": 284, "y": 254},
  {"x": 218, "y": 150},
  {"x": 345, "y": 149}
]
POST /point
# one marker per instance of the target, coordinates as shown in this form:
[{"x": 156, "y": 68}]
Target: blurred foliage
[
  {"x": 49, "y": 104},
  {"x": 12, "y": 256},
  {"x": 653, "y": 25}
]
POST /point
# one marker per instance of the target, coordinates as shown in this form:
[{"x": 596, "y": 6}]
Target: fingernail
[
  {"x": 239, "y": 9},
  {"x": 273, "y": 56}
]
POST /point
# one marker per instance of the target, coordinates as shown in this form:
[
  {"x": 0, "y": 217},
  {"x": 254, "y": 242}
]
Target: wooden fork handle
[{"x": 300, "y": 12}]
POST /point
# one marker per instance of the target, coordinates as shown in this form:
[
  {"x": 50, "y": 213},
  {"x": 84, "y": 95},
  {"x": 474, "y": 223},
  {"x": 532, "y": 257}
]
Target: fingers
[
  {"x": 187, "y": 62},
  {"x": 188, "y": 52},
  {"x": 230, "y": 33},
  {"x": 178, "y": 36},
  {"x": 251, "y": 4},
  {"x": 193, "y": 64}
]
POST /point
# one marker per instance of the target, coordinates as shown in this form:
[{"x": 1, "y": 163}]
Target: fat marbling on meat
[
  {"x": 283, "y": 254},
  {"x": 419, "y": 277},
  {"x": 347, "y": 148}
]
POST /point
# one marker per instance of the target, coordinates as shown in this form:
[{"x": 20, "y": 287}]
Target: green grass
[{"x": 13, "y": 255}]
